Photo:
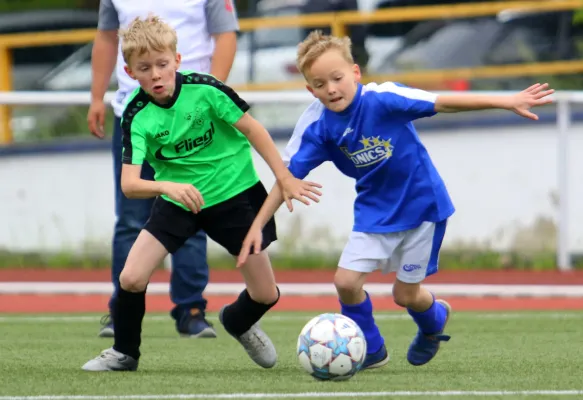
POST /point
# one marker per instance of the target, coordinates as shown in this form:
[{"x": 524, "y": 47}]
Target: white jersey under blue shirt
[{"x": 402, "y": 202}]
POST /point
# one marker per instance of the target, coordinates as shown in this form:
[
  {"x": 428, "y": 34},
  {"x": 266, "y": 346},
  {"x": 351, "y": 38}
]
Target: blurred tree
[
  {"x": 23, "y": 5},
  {"x": 578, "y": 17},
  {"x": 91, "y": 4},
  {"x": 357, "y": 33},
  {"x": 574, "y": 81},
  {"x": 243, "y": 7}
]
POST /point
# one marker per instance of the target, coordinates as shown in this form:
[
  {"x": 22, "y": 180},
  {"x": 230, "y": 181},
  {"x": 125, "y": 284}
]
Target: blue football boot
[
  {"x": 376, "y": 360},
  {"x": 425, "y": 347}
]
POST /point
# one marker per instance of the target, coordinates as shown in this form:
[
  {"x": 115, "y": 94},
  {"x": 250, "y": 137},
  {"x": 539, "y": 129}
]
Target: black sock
[
  {"x": 239, "y": 316},
  {"x": 129, "y": 309}
]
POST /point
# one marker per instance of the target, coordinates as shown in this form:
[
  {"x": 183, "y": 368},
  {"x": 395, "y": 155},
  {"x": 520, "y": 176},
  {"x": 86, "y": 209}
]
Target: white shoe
[
  {"x": 257, "y": 345},
  {"x": 111, "y": 360}
]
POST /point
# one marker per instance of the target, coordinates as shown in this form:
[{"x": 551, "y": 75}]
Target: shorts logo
[{"x": 411, "y": 267}]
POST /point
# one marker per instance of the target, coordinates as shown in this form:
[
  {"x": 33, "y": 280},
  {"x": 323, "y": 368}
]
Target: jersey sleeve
[
  {"x": 221, "y": 16},
  {"x": 306, "y": 149},
  {"x": 133, "y": 142},
  {"x": 108, "y": 19},
  {"x": 226, "y": 103},
  {"x": 404, "y": 101}
]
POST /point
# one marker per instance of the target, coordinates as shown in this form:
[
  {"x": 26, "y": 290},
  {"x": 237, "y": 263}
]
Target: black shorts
[{"x": 226, "y": 223}]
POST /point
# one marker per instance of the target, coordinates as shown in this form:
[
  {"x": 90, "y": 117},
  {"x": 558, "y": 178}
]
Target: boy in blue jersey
[{"x": 402, "y": 204}]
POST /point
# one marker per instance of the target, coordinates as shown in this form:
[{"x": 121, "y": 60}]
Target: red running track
[
  {"x": 161, "y": 303},
  {"x": 98, "y": 303},
  {"x": 513, "y": 277}
]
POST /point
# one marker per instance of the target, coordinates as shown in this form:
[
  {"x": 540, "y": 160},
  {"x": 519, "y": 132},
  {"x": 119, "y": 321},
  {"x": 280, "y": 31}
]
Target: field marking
[
  {"x": 302, "y": 289},
  {"x": 307, "y": 395},
  {"x": 295, "y": 317}
]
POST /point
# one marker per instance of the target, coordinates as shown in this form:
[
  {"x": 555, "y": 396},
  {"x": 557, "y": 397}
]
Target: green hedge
[
  {"x": 451, "y": 260},
  {"x": 34, "y": 5}
]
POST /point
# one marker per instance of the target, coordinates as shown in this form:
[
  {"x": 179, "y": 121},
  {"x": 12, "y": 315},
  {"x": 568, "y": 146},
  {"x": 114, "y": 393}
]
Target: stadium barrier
[
  {"x": 564, "y": 101},
  {"x": 338, "y": 23}
]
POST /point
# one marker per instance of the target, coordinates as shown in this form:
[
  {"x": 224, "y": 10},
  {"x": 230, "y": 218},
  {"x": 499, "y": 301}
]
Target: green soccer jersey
[{"x": 191, "y": 138}]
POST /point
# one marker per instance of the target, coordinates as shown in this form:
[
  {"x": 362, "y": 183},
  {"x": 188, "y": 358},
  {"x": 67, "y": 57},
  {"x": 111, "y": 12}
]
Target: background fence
[
  {"x": 338, "y": 22},
  {"x": 512, "y": 185}
]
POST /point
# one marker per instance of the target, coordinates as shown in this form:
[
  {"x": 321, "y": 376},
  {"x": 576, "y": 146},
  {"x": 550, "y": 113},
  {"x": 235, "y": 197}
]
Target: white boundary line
[
  {"x": 308, "y": 395},
  {"x": 302, "y": 289},
  {"x": 12, "y": 319}
]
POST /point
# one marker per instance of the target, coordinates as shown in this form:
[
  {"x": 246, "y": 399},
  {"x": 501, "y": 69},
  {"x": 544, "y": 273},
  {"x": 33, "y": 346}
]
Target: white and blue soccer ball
[{"x": 331, "y": 347}]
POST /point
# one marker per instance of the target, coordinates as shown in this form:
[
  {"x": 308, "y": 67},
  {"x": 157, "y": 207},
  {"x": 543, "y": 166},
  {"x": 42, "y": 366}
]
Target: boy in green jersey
[{"x": 196, "y": 134}]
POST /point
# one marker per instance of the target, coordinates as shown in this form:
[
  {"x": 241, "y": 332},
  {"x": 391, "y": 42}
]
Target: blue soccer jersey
[{"x": 374, "y": 142}]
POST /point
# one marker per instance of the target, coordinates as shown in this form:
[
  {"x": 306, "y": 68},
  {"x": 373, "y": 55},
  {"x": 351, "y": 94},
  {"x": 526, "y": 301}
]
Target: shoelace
[
  {"x": 108, "y": 354},
  {"x": 105, "y": 320},
  {"x": 187, "y": 318},
  {"x": 253, "y": 340},
  {"x": 438, "y": 338}
]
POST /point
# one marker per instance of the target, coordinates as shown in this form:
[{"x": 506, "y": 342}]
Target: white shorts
[{"x": 412, "y": 254}]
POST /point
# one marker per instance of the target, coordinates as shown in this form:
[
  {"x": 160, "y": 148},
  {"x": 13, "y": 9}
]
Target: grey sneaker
[
  {"x": 106, "y": 327},
  {"x": 111, "y": 360},
  {"x": 257, "y": 344}
]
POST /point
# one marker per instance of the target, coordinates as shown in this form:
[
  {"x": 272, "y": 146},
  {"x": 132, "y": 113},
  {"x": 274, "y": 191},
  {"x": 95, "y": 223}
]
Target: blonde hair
[
  {"x": 144, "y": 35},
  {"x": 317, "y": 44}
]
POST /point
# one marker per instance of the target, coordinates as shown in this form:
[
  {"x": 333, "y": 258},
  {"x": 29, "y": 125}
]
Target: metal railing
[
  {"x": 563, "y": 99},
  {"x": 338, "y": 23}
]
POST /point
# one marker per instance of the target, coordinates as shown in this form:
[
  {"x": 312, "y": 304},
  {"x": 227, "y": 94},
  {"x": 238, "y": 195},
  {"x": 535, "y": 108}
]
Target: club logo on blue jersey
[{"x": 374, "y": 150}]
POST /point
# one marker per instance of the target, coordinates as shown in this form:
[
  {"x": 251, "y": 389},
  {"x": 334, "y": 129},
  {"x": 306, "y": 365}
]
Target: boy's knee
[
  {"x": 348, "y": 283},
  {"x": 405, "y": 294},
  {"x": 132, "y": 281}
]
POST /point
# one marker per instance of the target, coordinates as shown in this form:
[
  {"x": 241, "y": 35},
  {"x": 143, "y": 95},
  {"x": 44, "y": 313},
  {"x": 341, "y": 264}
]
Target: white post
[{"x": 563, "y": 122}]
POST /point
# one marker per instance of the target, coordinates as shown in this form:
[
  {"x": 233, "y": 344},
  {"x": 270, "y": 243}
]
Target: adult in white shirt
[{"x": 207, "y": 42}]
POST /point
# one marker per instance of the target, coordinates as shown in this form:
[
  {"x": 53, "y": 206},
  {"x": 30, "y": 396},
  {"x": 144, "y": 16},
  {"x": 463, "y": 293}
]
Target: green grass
[
  {"x": 487, "y": 352},
  {"x": 464, "y": 259}
]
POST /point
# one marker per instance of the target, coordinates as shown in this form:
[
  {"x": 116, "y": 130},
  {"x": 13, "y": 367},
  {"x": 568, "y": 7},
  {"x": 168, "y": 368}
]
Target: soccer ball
[{"x": 331, "y": 347}]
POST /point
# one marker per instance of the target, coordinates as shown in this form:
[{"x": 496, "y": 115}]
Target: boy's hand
[
  {"x": 293, "y": 188},
  {"x": 184, "y": 193},
  {"x": 253, "y": 240},
  {"x": 534, "y": 96}
]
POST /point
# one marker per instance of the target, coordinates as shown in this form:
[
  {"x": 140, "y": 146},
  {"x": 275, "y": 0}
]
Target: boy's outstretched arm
[
  {"x": 520, "y": 103},
  {"x": 291, "y": 187},
  {"x": 254, "y": 237},
  {"x": 304, "y": 152}
]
